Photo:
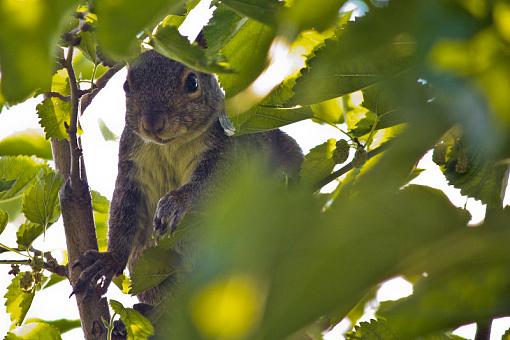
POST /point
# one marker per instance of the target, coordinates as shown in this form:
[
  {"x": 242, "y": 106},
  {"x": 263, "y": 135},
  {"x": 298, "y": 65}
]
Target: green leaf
[
  {"x": 123, "y": 283},
  {"x": 318, "y": 163},
  {"x": 84, "y": 68},
  {"x": 28, "y": 142},
  {"x": 54, "y": 112},
  {"x": 372, "y": 330},
  {"x": 35, "y": 330},
  {"x": 137, "y": 326},
  {"x": 264, "y": 11},
  {"x": 169, "y": 42},
  {"x": 134, "y": 17},
  {"x": 335, "y": 70},
  {"x": 63, "y": 325},
  {"x": 153, "y": 267},
  {"x": 17, "y": 301},
  {"x": 27, "y": 233},
  {"x": 263, "y": 118},
  {"x": 247, "y": 53},
  {"x": 222, "y": 27},
  {"x": 29, "y": 32},
  {"x": 40, "y": 202},
  {"x": 108, "y": 135},
  {"x": 4, "y": 218},
  {"x": 54, "y": 279},
  {"x": 22, "y": 170},
  {"x": 305, "y": 14}
]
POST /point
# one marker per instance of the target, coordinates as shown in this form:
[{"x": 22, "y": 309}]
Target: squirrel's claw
[
  {"x": 169, "y": 212},
  {"x": 98, "y": 272}
]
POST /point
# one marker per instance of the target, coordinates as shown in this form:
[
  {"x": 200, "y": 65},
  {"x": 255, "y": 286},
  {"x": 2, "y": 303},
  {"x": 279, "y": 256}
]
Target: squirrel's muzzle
[{"x": 153, "y": 124}]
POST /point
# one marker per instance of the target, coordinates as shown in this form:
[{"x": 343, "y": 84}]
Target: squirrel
[{"x": 172, "y": 146}]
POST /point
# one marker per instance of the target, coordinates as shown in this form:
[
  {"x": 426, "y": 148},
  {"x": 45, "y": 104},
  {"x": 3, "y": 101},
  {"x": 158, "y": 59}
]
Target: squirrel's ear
[{"x": 200, "y": 40}]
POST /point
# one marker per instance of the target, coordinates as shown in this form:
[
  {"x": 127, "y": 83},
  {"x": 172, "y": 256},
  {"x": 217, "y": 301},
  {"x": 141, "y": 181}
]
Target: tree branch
[
  {"x": 483, "y": 330},
  {"x": 99, "y": 85},
  {"x": 76, "y": 207},
  {"x": 348, "y": 167},
  {"x": 58, "y": 95}
]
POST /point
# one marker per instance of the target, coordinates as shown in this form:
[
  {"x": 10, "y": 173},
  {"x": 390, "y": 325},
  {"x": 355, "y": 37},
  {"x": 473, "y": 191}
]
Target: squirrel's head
[{"x": 167, "y": 101}]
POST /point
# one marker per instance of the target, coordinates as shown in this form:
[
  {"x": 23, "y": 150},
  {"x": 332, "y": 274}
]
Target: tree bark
[{"x": 76, "y": 207}]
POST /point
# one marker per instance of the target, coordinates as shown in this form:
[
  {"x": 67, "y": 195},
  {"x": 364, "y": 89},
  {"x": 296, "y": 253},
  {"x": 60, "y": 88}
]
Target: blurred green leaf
[
  {"x": 4, "y": 218},
  {"x": 137, "y": 326},
  {"x": 169, "y": 42},
  {"x": 318, "y": 163},
  {"x": 63, "y": 325},
  {"x": 54, "y": 279},
  {"x": 28, "y": 142},
  {"x": 134, "y": 17},
  {"x": 372, "y": 330},
  {"x": 84, "y": 68},
  {"x": 246, "y": 52},
  {"x": 108, "y": 135},
  {"x": 101, "y": 209},
  {"x": 27, "y": 233},
  {"x": 40, "y": 202},
  {"x": 29, "y": 31},
  {"x": 153, "y": 267},
  {"x": 22, "y": 170},
  {"x": 39, "y": 330},
  {"x": 263, "y": 118},
  {"x": 305, "y": 14},
  {"x": 17, "y": 301},
  {"x": 264, "y": 11}
]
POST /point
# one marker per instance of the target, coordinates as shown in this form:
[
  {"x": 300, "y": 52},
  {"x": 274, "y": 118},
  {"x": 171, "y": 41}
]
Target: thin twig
[
  {"x": 99, "y": 85},
  {"x": 57, "y": 95},
  {"x": 349, "y": 167},
  {"x": 73, "y": 126},
  {"x": 15, "y": 261}
]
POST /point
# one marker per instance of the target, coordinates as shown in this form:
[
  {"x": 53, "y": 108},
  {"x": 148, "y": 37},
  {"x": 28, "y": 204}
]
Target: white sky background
[{"x": 101, "y": 164}]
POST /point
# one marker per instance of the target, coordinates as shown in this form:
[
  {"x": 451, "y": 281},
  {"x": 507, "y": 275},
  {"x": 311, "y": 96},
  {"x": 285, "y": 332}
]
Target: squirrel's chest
[{"x": 163, "y": 168}]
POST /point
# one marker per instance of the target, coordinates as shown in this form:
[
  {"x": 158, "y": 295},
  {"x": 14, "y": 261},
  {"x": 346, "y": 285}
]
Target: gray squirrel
[{"x": 172, "y": 146}]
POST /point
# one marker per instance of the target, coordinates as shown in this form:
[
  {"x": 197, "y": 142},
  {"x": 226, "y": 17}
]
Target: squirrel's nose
[{"x": 153, "y": 123}]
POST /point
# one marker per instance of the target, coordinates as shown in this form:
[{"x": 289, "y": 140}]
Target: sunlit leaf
[
  {"x": 262, "y": 118},
  {"x": 17, "y": 301},
  {"x": 137, "y": 326},
  {"x": 40, "y": 330},
  {"x": 4, "y": 217},
  {"x": 29, "y": 31},
  {"x": 22, "y": 170},
  {"x": 224, "y": 25},
  {"x": 28, "y": 142},
  {"x": 101, "y": 208},
  {"x": 40, "y": 201}
]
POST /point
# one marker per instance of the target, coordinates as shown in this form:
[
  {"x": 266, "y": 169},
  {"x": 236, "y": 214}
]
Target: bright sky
[{"x": 101, "y": 164}]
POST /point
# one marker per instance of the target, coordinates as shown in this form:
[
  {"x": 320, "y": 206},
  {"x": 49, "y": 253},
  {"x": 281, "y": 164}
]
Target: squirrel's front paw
[
  {"x": 170, "y": 210},
  {"x": 98, "y": 270}
]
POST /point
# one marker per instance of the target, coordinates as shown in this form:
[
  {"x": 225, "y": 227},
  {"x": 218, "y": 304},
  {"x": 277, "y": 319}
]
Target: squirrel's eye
[
  {"x": 126, "y": 87},
  {"x": 191, "y": 84}
]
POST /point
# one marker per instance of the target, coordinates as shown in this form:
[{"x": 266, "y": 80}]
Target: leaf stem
[{"x": 14, "y": 250}]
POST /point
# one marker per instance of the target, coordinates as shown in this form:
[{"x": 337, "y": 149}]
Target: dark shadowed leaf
[
  {"x": 134, "y": 17},
  {"x": 264, "y": 11},
  {"x": 318, "y": 163}
]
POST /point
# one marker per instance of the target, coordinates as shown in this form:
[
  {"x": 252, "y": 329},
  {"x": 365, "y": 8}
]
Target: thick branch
[
  {"x": 483, "y": 330},
  {"x": 99, "y": 85},
  {"x": 350, "y": 166}
]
